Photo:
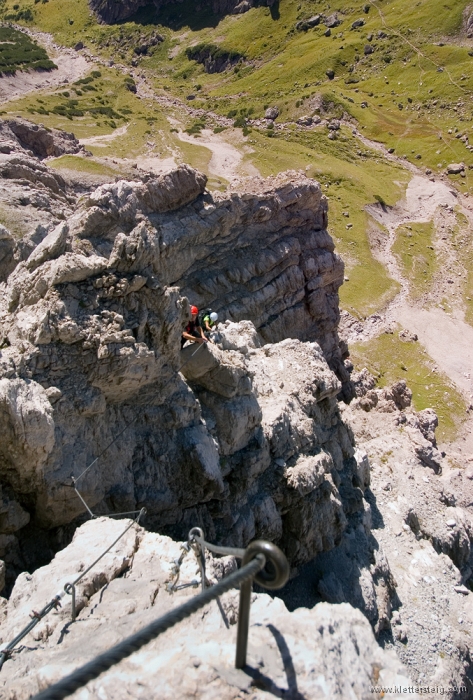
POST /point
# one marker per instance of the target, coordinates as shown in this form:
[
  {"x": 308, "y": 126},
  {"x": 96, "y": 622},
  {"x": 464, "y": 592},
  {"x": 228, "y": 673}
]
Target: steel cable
[
  {"x": 36, "y": 617},
  {"x": 216, "y": 549},
  {"x": 55, "y": 602},
  {"x": 105, "y": 661}
]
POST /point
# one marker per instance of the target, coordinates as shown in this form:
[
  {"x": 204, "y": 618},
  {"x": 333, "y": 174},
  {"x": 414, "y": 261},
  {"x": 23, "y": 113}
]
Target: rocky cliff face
[
  {"x": 110, "y": 11},
  {"x": 250, "y": 442},
  {"x": 246, "y": 438}
]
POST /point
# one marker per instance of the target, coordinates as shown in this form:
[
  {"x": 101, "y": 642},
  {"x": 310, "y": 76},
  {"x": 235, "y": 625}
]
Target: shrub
[
  {"x": 240, "y": 122},
  {"x": 19, "y": 52},
  {"x": 84, "y": 81}
]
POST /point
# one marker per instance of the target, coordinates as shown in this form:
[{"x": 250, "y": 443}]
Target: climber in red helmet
[{"x": 193, "y": 332}]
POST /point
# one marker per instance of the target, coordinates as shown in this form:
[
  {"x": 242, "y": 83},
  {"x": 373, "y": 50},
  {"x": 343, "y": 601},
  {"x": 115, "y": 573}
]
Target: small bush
[
  {"x": 84, "y": 81},
  {"x": 240, "y": 122}
]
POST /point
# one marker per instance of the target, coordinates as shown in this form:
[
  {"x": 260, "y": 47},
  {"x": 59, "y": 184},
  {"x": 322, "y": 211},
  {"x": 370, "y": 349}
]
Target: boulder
[
  {"x": 455, "y": 168},
  {"x": 332, "y": 21},
  {"x": 271, "y": 113},
  {"x": 310, "y": 23},
  {"x": 305, "y": 121}
]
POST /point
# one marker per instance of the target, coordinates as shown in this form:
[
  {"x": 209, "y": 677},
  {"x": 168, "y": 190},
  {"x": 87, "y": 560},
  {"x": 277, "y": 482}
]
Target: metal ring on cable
[
  {"x": 68, "y": 588},
  {"x": 196, "y": 532},
  {"x": 276, "y": 571}
]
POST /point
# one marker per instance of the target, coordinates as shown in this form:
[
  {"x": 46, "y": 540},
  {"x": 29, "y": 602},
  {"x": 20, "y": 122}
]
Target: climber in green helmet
[{"x": 209, "y": 322}]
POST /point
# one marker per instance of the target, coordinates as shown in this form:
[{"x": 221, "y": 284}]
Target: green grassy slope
[
  {"x": 389, "y": 359},
  {"x": 403, "y": 79}
]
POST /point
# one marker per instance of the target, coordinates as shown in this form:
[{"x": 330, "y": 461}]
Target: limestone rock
[
  {"x": 332, "y": 21},
  {"x": 221, "y": 373},
  {"x": 428, "y": 422},
  {"x": 7, "y": 247},
  {"x": 305, "y": 120},
  {"x": 400, "y": 394},
  {"x": 306, "y": 24},
  {"x": 363, "y": 382},
  {"x": 469, "y": 25},
  {"x": 93, "y": 315},
  {"x": 27, "y": 432},
  {"x": 51, "y": 246},
  {"x": 109, "y": 11},
  {"x": 455, "y": 168},
  {"x": 406, "y": 336},
  {"x": 308, "y": 472},
  {"x": 241, "y": 336},
  {"x": 23, "y": 167},
  {"x": 12, "y": 516},
  {"x": 271, "y": 113},
  {"x": 336, "y": 639},
  {"x": 358, "y": 23},
  {"x": 41, "y": 142}
]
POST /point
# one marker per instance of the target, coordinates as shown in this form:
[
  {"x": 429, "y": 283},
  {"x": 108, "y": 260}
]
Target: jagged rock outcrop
[
  {"x": 36, "y": 139},
  {"x": 468, "y": 21},
  {"x": 7, "y": 251},
  {"x": 327, "y": 652},
  {"x": 33, "y": 197},
  {"x": 110, "y": 11},
  {"x": 420, "y": 540},
  {"x": 91, "y": 320},
  {"x": 213, "y": 58}
]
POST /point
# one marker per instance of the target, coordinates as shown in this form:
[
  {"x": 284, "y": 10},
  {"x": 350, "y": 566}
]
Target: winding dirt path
[
  {"x": 226, "y": 160},
  {"x": 446, "y": 337}
]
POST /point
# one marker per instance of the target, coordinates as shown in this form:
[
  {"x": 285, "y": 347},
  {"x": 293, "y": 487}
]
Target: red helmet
[{"x": 194, "y": 310}]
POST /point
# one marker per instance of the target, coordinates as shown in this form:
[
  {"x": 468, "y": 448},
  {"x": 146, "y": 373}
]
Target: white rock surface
[{"x": 324, "y": 653}]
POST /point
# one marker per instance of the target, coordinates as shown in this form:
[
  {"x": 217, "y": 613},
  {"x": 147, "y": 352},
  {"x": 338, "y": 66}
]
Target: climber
[
  {"x": 209, "y": 322},
  {"x": 193, "y": 332}
]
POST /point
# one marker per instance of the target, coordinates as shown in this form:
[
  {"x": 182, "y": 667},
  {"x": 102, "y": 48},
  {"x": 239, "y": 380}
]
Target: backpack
[{"x": 202, "y": 315}]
